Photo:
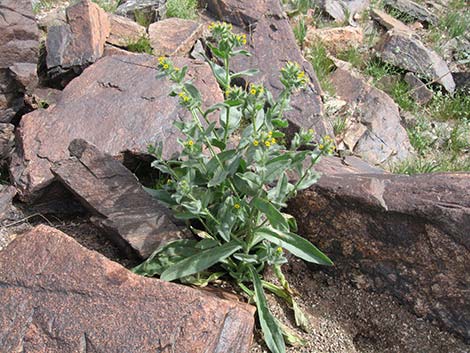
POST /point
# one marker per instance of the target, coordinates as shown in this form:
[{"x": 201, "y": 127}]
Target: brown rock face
[
  {"x": 272, "y": 43},
  {"x": 81, "y": 41},
  {"x": 132, "y": 218},
  {"x": 336, "y": 39},
  {"x": 409, "y": 236},
  {"x": 374, "y": 132},
  {"x": 117, "y": 104},
  {"x": 174, "y": 36},
  {"x": 59, "y": 297},
  {"x": 124, "y": 31},
  {"x": 19, "y": 48}
]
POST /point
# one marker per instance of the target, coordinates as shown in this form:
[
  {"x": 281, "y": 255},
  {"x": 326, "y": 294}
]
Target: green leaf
[
  {"x": 275, "y": 217},
  {"x": 200, "y": 262},
  {"x": 271, "y": 330},
  {"x": 295, "y": 244},
  {"x": 301, "y": 319},
  {"x": 193, "y": 91},
  {"x": 249, "y": 72},
  {"x": 291, "y": 338},
  {"x": 162, "y": 196}
]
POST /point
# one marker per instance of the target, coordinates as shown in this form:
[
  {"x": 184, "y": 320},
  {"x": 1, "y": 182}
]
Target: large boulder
[
  {"x": 413, "y": 10},
  {"x": 148, "y": 11},
  {"x": 59, "y": 297},
  {"x": 133, "y": 219},
  {"x": 405, "y": 50},
  {"x": 374, "y": 130},
  {"x": 117, "y": 104},
  {"x": 79, "y": 43},
  {"x": 272, "y": 43},
  {"x": 405, "y": 235},
  {"x": 19, "y": 48}
]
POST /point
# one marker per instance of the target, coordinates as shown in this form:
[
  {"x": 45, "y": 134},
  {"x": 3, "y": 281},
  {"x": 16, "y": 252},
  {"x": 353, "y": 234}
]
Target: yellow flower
[
  {"x": 311, "y": 131},
  {"x": 267, "y": 143},
  {"x": 301, "y": 75},
  {"x": 181, "y": 94},
  {"x": 161, "y": 59},
  {"x": 237, "y": 206},
  {"x": 255, "y": 143},
  {"x": 166, "y": 66},
  {"x": 279, "y": 250},
  {"x": 190, "y": 142},
  {"x": 270, "y": 133},
  {"x": 253, "y": 91},
  {"x": 177, "y": 68},
  {"x": 273, "y": 141},
  {"x": 321, "y": 147},
  {"x": 243, "y": 39},
  {"x": 185, "y": 98}
]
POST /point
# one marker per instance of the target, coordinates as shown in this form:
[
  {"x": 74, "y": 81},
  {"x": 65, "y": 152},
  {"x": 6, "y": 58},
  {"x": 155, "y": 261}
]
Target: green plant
[
  {"x": 141, "y": 45},
  {"x": 232, "y": 193},
  {"x": 353, "y": 56},
  {"x": 44, "y": 5},
  {"x": 296, "y": 7},
  {"x": 142, "y": 17},
  {"x": 420, "y": 137},
  {"x": 186, "y": 9},
  {"x": 455, "y": 23},
  {"x": 415, "y": 166},
  {"x": 322, "y": 64},
  {"x": 378, "y": 69},
  {"x": 300, "y": 32},
  {"x": 459, "y": 139},
  {"x": 400, "y": 92},
  {"x": 107, "y": 5},
  {"x": 339, "y": 125},
  {"x": 445, "y": 107}
]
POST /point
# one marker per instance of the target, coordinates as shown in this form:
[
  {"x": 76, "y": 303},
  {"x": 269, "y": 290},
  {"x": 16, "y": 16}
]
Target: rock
[
  {"x": 344, "y": 10},
  {"x": 174, "y": 36},
  {"x": 405, "y": 50},
  {"x": 117, "y": 104},
  {"x": 374, "y": 133},
  {"x": 80, "y": 42},
  {"x": 7, "y": 193},
  {"x": 413, "y": 10},
  {"x": 148, "y": 11},
  {"x": 124, "y": 31},
  {"x": 43, "y": 97},
  {"x": 409, "y": 235},
  {"x": 19, "y": 48},
  {"x": 387, "y": 21},
  {"x": 336, "y": 39},
  {"x": 272, "y": 44},
  {"x": 7, "y": 141},
  {"x": 419, "y": 92},
  {"x": 131, "y": 217},
  {"x": 70, "y": 299},
  {"x": 462, "y": 81},
  {"x": 54, "y": 17}
]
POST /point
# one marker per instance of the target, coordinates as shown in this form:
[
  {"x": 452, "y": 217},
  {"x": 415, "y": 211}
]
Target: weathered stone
[
  {"x": 336, "y": 39},
  {"x": 80, "y": 42},
  {"x": 409, "y": 235},
  {"x": 132, "y": 218},
  {"x": 374, "y": 132},
  {"x": 344, "y": 10},
  {"x": 54, "y": 17},
  {"x": 43, "y": 97},
  {"x": 414, "y": 10},
  {"x": 462, "y": 81},
  {"x": 405, "y": 50},
  {"x": 419, "y": 92},
  {"x": 19, "y": 47},
  {"x": 387, "y": 21},
  {"x": 7, "y": 140},
  {"x": 147, "y": 10},
  {"x": 272, "y": 44},
  {"x": 174, "y": 36},
  {"x": 7, "y": 193},
  {"x": 117, "y": 104},
  {"x": 59, "y": 297},
  {"x": 124, "y": 31}
]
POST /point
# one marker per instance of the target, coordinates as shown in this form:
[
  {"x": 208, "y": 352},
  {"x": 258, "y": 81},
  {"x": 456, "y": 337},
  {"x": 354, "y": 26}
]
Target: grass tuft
[
  {"x": 185, "y": 9},
  {"x": 142, "y": 45},
  {"x": 323, "y": 66}
]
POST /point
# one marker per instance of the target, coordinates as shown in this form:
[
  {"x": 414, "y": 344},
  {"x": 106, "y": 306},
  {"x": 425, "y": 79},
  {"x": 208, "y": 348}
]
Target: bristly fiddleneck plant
[{"x": 231, "y": 185}]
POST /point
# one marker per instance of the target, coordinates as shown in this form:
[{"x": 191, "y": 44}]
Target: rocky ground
[{"x": 79, "y": 105}]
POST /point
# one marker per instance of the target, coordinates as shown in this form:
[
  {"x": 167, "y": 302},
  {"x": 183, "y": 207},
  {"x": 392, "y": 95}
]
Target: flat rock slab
[
  {"x": 124, "y": 31},
  {"x": 59, "y": 297},
  {"x": 272, "y": 44},
  {"x": 174, "y": 36},
  {"x": 406, "y": 235},
  {"x": 117, "y": 104},
  {"x": 133, "y": 219},
  {"x": 374, "y": 131}
]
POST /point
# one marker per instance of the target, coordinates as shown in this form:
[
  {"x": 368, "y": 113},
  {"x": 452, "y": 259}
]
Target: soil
[{"x": 344, "y": 318}]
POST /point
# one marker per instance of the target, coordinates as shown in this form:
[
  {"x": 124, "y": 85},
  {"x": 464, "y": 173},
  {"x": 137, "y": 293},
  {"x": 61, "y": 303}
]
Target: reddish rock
[
  {"x": 336, "y": 39},
  {"x": 117, "y": 104},
  {"x": 387, "y": 21},
  {"x": 59, "y": 297},
  {"x": 133, "y": 219},
  {"x": 19, "y": 48},
  {"x": 408, "y": 236},
  {"x": 80, "y": 42},
  {"x": 124, "y": 31},
  {"x": 174, "y": 36},
  {"x": 272, "y": 43}
]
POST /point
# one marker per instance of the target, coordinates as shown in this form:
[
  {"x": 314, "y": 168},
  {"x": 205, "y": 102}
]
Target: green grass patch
[
  {"x": 323, "y": 66},
  {"x": 300, "y": 32},
  {"x": 185, "y": 9},
  {"x": 107, "y": 5},
  {"x": 353, "y": 56},
  {"x": 142, "y": 45},
  {"x": 448, "y": 107}
]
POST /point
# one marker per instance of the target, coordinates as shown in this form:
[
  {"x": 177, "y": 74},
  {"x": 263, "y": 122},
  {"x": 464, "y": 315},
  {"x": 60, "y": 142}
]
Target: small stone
[{"x": 174, "y": 36}]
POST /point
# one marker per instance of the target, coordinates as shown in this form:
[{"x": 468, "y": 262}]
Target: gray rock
[
  {"x": 59, "y": 297},
  {"x": 129, "y": 215},
  {"x": 414, "y": 10},
  {"x": 387, "y": 21},
  {"x": 19, "y": 48},
  {"x": 344, "y": 10},
  {"x": 405, "y": 50},
  {"x": 419, "y": 92},
  {"x": 7, "y": 140},
  {"x": 408, "y": 235},
  {"x": 374, "y": 132},
  {"x": 462, "y": 81},
  {"x": 149, "y": 10}
]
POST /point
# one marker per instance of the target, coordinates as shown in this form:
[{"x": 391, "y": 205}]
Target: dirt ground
[{"x": 344, "y": 319}]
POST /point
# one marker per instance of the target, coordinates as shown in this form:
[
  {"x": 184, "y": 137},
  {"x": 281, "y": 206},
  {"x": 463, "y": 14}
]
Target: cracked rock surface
[
  {"x": 70, "y": 299},
  {"x": 117, "y": 105}
]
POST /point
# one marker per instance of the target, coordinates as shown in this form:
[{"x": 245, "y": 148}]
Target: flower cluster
[
  {"x": 327, "y": 145},
  {"x": 265, "y": 139},
  {"x": 221, "y": 32},
  {"x": 292, "y": 76},
  {"x": 256, "y": 90}
]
